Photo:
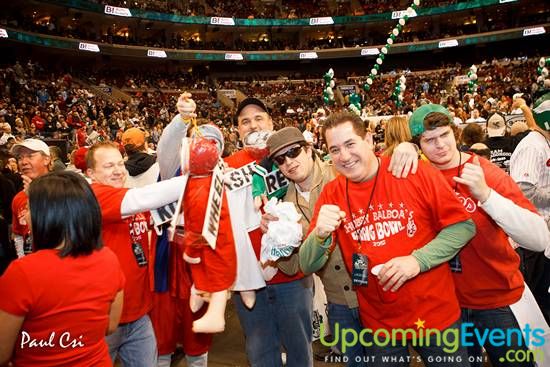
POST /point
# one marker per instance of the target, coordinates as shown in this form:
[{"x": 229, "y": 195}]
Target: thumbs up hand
[{"x": 472, "y": 176}]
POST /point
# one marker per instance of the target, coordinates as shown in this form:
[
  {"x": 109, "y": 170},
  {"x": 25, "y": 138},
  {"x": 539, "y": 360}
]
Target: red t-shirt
[
  {"x": 120, "y": 235},
  {"x": 218, "y": 268},
  {"x": 237, "y": 160},
  {"x": 18, "y": 209},
  {"x": 404, "y": 215},
  {"x": 65, "y": 302},
  {"x": 490, "y": 276}
]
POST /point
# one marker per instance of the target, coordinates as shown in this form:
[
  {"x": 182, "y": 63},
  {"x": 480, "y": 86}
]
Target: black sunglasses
[{"x": 291, "y": 153}]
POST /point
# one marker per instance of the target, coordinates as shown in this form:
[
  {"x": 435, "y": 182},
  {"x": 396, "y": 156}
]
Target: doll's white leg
[
  {"x": 213, "y": 320},
  {"x": 195, "y": 300},
  {"x": 248, "y": 298}
]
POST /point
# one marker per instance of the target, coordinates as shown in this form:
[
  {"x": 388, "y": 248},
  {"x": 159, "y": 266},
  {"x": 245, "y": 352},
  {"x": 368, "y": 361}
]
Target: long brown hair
[{"x": 397, "y": 131}]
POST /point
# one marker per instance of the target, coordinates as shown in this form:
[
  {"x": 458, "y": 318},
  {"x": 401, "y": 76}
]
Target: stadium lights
[
  {"x": 533, "y": 31},
  {"x": 222, "y": 21},
  {"x": 3, "y": 33},
  {"x": 156, "y": 53},
  {"x": 448, "y": 43},
  {"x": 88, "y": 47},
  {"x": 234, "y": 56},
  {"x": 119, "y": 12},
  {"x": 321, "y": 21},
  {"x": 308, "y": 55},
  {"x": 369, "y": 51}
]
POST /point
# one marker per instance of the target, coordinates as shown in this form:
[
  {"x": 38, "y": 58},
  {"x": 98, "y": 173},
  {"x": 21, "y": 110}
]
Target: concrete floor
[{"x": 228, "y": 347}]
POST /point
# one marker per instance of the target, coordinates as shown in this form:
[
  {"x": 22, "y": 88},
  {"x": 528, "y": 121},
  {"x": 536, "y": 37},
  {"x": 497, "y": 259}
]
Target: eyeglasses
[{"x": 291, "y": 153}]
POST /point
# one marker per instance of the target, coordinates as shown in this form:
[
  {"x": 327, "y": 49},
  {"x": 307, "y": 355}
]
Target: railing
[
  {"x": 221, "y": 21},
  {"x": 207, "y": 55}
]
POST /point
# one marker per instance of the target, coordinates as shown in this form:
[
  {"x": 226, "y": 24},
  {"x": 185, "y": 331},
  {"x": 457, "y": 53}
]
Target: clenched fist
[{"x": 330, "y": 217}]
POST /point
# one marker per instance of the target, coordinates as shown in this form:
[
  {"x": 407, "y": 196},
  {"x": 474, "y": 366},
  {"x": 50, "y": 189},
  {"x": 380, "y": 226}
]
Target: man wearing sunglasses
[
  {"x": 308, "y": 175},
  {"x": 281, "y": 316}
]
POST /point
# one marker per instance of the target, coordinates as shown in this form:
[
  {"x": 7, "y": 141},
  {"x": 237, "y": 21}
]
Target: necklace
[
  {"x": 357, "y": 229},
  {"x": 458, "y": 170},
  {"x": 299, "y": 207}
]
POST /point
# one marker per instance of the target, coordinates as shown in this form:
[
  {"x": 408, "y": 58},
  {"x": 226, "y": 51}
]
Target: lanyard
[{"x": 357, "y": 229}]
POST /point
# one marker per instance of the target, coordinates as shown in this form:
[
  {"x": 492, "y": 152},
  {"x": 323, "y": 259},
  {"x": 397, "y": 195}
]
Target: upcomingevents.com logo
[{"x": 449, "y": 340}]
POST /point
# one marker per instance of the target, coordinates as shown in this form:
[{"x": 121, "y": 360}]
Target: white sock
[
  {"x": 197, "y": 361},
  {"x": 164, "y": 360}
]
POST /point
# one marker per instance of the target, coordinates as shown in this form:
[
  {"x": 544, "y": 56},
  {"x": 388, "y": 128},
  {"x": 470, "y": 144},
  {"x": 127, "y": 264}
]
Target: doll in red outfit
[{"x": 214, "y": 265}]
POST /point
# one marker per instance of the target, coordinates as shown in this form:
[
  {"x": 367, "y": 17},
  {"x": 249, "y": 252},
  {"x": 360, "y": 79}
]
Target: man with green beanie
[{"x": 486, "y": 272}]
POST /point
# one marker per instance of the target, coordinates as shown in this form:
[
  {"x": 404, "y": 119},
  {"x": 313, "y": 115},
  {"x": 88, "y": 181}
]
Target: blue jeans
[
  {"x": 433, "y": 355},
  {"x": 347, "y": 318},
  {"x": 497, "y": 318},
  {"x": 281, "y": 317},
  {"x": 134, "y": 343}
]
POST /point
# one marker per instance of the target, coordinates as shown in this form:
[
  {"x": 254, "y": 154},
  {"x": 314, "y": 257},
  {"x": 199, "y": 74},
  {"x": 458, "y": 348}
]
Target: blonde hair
[
  {"x": 397, "y": 131},
  {"x": 90, "y": 158}
]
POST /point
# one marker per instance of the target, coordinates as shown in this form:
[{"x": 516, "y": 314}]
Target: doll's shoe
[
  {"x": 213, "y": 320},
  {"x": 248, "y": 298}
]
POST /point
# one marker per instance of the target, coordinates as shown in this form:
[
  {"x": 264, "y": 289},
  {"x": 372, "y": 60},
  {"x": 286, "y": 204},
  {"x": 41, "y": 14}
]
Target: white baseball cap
[
  {"x": 496, "y": 125},
  {"x": 31, "y": 144}
]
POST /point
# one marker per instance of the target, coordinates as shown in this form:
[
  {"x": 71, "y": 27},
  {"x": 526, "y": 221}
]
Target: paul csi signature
[{"x": 63, "y": 340}]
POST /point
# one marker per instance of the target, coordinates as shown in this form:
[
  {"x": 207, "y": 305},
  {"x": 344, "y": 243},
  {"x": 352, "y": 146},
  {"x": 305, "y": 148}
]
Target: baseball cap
[
  {"x": 31, "y": 144},
  {"x": 416, "y": 121},
  {"x": 246, "y": 102},
  {"x": 283, "y": 138},
  {"x": 496, "y": 125},
  {"x": 133, "y": 136}
]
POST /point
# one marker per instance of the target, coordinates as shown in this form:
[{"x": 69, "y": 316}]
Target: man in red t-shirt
[
  {"x": 125, "y": 228},
  {"x": 33, "y": 158},
  {"x": 486, "y": 272},
  {"x": 38, "y": 121},
  {"x": 408, "y": 228}
]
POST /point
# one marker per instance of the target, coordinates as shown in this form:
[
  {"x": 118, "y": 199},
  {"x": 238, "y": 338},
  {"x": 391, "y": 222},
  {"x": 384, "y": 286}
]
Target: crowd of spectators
[
  {"x": 288, "y": 9},
  {"x": 49, "y": 104},
  {"x": 85, "y": 30},
  {"x": 383, "y": 6}
]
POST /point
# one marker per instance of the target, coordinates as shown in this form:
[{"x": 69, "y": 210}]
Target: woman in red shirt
[{"x": 58, "y": 303}]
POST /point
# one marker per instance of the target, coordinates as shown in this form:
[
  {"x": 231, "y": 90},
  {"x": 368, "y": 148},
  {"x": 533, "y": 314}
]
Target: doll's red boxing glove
[{"x": 203, "y": 156}]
